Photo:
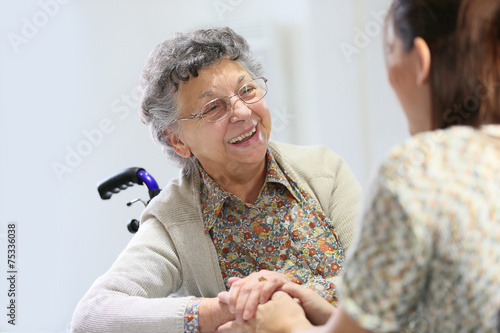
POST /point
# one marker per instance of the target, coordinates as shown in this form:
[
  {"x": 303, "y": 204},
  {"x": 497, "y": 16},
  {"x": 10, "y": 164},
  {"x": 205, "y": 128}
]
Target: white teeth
[{"x": 241, "y": 137}]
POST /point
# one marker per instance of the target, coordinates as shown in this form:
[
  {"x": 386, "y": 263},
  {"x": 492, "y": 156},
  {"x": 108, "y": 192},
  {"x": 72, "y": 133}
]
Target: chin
[{"x": 415, "y": 131}]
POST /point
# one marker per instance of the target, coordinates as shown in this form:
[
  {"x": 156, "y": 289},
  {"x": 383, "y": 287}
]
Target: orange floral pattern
[
  {"x": 191, "y": 316},
  {"x": 285, "y": 230}
]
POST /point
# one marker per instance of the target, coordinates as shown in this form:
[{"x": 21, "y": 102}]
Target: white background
[{"x": 69, "y": 68}]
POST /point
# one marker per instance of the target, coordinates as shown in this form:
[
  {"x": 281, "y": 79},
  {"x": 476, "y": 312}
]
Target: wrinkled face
[{"x": 239, "y": 139}]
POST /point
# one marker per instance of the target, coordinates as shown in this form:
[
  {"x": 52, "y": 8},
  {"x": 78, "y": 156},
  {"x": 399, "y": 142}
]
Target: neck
[{"x": 245, "y": 182}]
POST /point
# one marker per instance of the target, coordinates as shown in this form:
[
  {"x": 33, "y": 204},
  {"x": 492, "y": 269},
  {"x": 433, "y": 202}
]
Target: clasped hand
[
  {"x": 282, "y": 314},
  {"x": 245, "y": 294}
]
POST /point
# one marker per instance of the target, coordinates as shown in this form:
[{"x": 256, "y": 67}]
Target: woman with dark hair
[
  {"x": 427, "y": 256},
  {"x": 243, "y": 206}
]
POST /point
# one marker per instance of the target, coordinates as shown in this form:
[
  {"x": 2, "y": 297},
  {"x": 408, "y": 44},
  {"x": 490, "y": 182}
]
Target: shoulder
[
  {"x": 310, "y": 159},
  {"x": 301, "y": 151},
  {"x": 179, "y": 186},
  {"x": 178, "y": 201},
  {"x": 429, "y": 153},
  {"x": 321, "y": 172}
]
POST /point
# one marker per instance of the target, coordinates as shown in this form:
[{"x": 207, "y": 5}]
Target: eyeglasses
[{"x": 219, "y": 108}]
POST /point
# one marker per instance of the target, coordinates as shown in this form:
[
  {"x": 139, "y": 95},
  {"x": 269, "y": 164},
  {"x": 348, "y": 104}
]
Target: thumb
[
  {"x": 294, "y": 290},
  {"x": 232, "y": 327},
  {"x": 280, "y": 295},
  {"x": 223, "y": 297},
  {"x": 232, "y": 280}
]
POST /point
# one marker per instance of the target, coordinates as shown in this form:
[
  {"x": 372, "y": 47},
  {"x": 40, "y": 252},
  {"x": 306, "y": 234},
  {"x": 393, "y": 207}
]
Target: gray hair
[{"x": 176, "y": 60}]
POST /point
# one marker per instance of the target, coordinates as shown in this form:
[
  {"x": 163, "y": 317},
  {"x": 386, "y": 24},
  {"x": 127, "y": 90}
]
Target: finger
[
  {"x": 252, "y": 303},
  {"x": 294, "y": 290},
  {"x": 223, "y": 297},
  {"x": 225, "y": 328},
  {"x": 233, "y": 279},
  {"x": 280, "y": 295},
  {"x": 238, "y": 293},
  {"x": 271, "y": 286},
  {"x": 251, "y": 290},
  {"x": 233, "y": 327},
  {"x": 234, "y": 293}
]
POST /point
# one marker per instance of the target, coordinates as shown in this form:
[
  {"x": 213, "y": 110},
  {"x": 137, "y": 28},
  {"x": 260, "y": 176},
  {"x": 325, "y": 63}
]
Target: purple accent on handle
[{"x": 147, "y": 180}]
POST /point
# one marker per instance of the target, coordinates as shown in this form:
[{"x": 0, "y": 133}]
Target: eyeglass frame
[{"x": 229, "y": 106}]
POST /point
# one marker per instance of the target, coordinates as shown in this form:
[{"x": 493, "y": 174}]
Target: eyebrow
[{"x": 210, "y": 93}]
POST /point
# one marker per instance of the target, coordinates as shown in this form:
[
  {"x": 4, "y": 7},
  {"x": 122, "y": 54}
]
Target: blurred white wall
[{"x": 68, "y": 69}]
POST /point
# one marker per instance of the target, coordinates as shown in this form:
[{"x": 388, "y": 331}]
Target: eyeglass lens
[{"x": 249, "y": 93}]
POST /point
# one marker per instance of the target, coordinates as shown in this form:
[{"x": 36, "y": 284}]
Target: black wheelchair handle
[{"x": 125, "y": 179}]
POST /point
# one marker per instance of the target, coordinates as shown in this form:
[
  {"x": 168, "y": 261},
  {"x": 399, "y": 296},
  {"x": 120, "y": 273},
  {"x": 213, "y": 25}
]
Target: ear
[
  {"x": 423, "y": 60},
  {"x": 177, "y": 143}
]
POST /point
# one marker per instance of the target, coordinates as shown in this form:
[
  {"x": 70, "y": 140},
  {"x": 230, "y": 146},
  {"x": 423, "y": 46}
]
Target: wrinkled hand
[
  {"x": 246, "y": 294},
  {"x": 212, "y": 313},
  {"x": 281, "y": 314},
  {"x": 317, "y": 309}
]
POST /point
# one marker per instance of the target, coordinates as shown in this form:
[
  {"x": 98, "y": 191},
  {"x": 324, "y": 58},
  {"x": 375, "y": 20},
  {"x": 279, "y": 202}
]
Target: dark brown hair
[
  {"x": 463, "y": 38},
  {"x": 479, "y": 28}
]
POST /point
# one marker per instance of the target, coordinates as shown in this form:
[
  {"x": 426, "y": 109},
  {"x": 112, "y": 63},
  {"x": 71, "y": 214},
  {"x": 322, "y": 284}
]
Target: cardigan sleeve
[{"x": 132, "y": 295}]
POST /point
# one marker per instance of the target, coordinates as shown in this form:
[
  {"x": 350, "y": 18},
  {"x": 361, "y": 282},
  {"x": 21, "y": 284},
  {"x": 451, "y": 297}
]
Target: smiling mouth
[{"x": 244, "y": 137}]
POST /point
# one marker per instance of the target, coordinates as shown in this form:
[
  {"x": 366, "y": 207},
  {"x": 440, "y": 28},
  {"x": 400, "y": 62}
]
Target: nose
[{"x": 239, "y": 110}]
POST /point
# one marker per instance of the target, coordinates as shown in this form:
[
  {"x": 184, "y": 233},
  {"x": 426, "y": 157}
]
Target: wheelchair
[{"x": 125, "y": 179}]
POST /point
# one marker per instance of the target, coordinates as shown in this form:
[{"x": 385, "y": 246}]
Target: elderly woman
[
  {"x": 242, "y": 207},
  {"x": 428, "y": 254}
]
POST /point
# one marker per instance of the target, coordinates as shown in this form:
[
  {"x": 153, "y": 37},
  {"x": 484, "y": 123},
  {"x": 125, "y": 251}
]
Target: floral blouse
[
  {"x": 285, "y": 230},
  {"x": 428, "y": 253}
]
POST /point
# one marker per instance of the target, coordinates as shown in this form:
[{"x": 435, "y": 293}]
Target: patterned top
[
  {"x": 285, "y": 230},
  {"x": 427, "y": 257}
]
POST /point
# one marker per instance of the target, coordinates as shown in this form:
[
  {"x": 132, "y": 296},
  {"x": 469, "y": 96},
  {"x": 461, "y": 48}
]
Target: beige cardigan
[{"x": 171, "y": 260}]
